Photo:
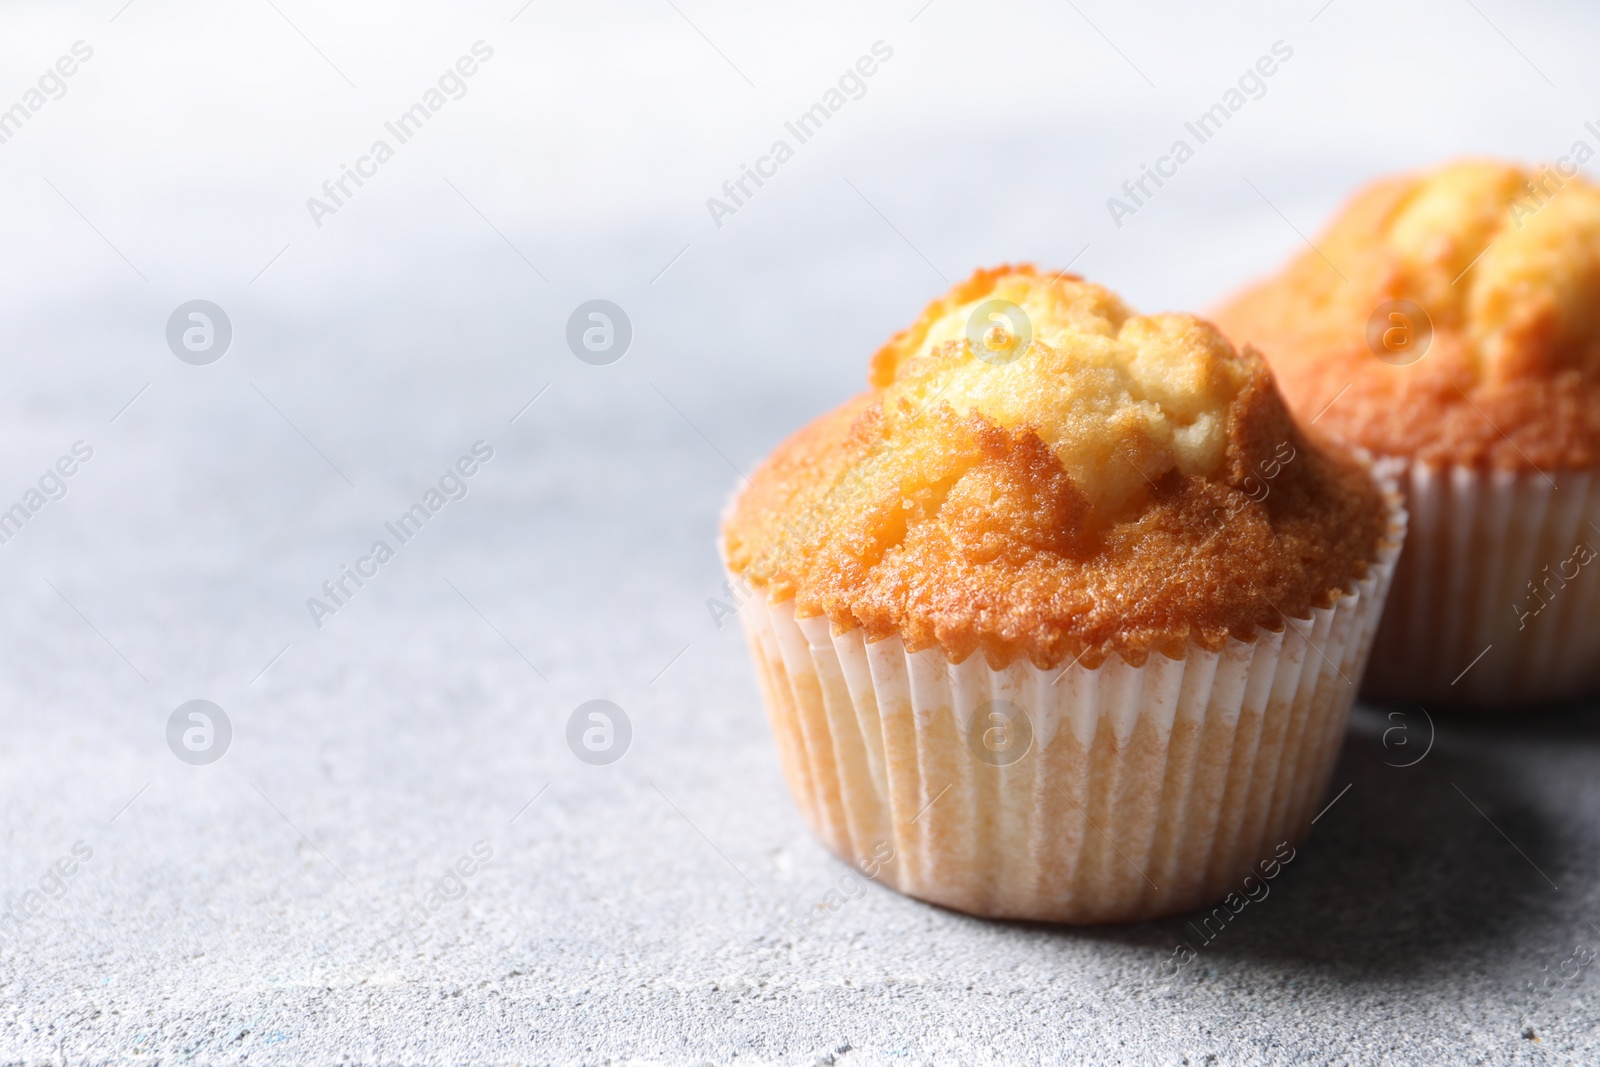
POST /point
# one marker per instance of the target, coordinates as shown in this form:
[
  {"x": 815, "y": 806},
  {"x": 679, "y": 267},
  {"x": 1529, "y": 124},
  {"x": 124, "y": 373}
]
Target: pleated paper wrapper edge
[
  {"x": 1491, "y": 608},
  {"x": 1118, "y": 793}
]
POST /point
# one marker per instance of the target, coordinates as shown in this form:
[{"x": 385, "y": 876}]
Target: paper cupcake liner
[
  {"x": 1483, "y": 548},
  {"x": 1141, "y": 791}
]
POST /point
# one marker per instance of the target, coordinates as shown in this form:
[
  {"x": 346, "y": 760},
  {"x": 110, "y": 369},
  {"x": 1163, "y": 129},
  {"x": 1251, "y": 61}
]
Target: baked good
[
  {"x": 1065, "y": 614},
  {"x": 1447, "y": 322}
]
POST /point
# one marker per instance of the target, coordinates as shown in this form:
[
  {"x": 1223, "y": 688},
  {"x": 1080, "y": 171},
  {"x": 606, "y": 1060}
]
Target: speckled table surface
[
  {"x": 398, "y": 858},
  {"x": 247, "y": 910}
]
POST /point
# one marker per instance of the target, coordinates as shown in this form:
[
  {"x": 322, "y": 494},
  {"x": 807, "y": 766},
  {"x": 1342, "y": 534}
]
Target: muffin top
[
  {"x": 1505, "y": 264},
  {"x": 1037, "y": 471}
]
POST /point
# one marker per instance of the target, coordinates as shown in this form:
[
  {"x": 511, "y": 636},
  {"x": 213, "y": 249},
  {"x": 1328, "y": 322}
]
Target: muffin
[
  {"x": 1449, "y": 324},
  {"x": 1063, "y": 617}
]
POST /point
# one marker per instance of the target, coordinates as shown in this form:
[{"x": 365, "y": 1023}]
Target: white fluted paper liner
[
  {"x": 1147, "y": 790},
  {"x": 1484, "y": 547}
]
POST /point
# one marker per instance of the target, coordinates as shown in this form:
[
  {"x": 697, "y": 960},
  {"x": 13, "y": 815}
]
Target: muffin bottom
[
  {"x": 1483, "y": 549},
  {"x": 1140, "y": 791}
]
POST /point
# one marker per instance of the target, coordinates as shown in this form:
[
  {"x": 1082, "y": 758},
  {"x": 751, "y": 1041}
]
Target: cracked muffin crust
[
  {"x": 1039, "y": 472},
  {"x": 1505, "y": 261}
]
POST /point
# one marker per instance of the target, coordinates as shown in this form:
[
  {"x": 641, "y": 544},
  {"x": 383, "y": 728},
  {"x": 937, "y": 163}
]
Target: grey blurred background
[{"x": 645, "y": 910}]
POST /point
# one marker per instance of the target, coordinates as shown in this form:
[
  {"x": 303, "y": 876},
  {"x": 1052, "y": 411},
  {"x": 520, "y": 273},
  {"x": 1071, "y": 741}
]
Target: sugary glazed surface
[
  {"x": 1504, "y": 261},
  {"x": 1119, "y": 483}
]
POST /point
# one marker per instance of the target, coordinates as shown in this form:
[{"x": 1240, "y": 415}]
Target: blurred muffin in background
[{"x": 1448, "y": 322}]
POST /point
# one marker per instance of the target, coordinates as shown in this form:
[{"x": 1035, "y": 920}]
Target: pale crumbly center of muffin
[
  {"x": 1511, "y": 257},
  {"x": 1121, "y": 399}
]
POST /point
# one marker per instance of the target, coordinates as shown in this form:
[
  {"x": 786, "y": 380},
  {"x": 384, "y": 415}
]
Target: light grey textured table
[{"x": 242, "y": 912}]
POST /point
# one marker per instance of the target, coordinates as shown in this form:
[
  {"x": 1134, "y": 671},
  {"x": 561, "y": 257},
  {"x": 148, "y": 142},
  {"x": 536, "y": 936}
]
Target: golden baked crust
[
  {"x": 1126, "y": 483},
  {"x": 1505, "y": 262}
]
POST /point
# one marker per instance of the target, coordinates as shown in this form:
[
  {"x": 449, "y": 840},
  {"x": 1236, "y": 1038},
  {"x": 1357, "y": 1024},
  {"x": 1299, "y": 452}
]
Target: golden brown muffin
[
  {"x": 1506, "y": 264},
  {"x": 1172, "y": 588},
  {"x": 1493, "y": 421},
  {"x": 1096, "y": 492}
]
